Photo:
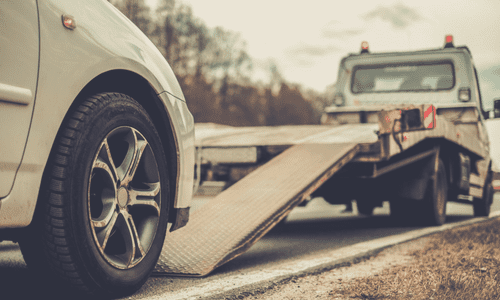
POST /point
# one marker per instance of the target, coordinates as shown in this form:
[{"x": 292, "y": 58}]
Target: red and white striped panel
[{"x": 429, "y": 116}]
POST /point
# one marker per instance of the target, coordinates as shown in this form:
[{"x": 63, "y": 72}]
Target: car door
[{"x": 19, "y": 58}]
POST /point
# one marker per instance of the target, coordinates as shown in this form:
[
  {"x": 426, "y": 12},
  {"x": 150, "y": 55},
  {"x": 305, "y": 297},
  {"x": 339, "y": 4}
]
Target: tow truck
[{"x": 404, "y": 127}]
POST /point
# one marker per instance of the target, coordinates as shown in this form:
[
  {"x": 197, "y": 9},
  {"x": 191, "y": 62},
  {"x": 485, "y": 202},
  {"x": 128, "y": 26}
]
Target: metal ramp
[{"x": 233, "y": 221}]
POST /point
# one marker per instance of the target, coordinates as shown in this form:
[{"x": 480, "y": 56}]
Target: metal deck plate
[
  {"x": 229, "y": 224},
  {"x": 226, "y": 136}
]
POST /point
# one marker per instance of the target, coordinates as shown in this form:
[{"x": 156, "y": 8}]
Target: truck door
[
  {"x": 19, "y": 53},
  {"x": 481, "y": 126}
]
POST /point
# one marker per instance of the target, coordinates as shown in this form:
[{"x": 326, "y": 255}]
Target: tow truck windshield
[{"x": 411, "y": 77}]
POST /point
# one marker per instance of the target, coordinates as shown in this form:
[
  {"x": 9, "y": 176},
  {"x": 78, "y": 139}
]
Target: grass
[{"x": 463, "y": 263}]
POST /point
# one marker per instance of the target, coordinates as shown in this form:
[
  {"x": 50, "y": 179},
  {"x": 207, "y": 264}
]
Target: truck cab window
[{"x": 415, "y": 77}]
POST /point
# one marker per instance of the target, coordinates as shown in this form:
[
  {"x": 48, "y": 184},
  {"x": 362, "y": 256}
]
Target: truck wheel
[
  {"x": 434, "y": 202},
  {"x": 102, "y": 210},
  {"x": 482, "y": 206}
]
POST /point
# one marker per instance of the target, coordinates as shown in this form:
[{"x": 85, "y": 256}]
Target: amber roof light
[
  {"x": 364, "y": 47},
  {"x": 448, "y": 41}
]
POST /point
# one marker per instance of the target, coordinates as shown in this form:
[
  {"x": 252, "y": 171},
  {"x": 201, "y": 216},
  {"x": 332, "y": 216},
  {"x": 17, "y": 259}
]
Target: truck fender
[{"x": 415, "y": 187}]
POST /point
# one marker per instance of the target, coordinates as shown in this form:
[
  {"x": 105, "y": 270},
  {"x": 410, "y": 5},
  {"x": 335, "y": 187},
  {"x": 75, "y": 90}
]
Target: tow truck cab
[
  {"x": 445, "y": 78},
  {"x": 440, "y": 76}
]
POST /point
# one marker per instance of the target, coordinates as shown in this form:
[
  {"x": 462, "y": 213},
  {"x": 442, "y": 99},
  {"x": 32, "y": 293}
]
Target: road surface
[{"x": 309, "y": 232}]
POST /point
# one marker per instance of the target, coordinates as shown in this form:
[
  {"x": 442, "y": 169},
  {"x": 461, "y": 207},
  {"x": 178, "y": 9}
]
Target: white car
[{"x": 96, "y": 144}]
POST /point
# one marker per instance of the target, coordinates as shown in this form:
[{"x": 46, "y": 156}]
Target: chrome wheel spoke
[
  {"x": 132, "y": 158},
  {"x": 136, "y": 237},
  {"x": 102, "y": 195},
  {"x": 146, "y": 197},
  {"x": 133, "y": 245},
  {"x": 105, "y": 232},
  {"x": 105, "y": 161},
  {"x": 123, "y": 226},
  {"x": 106, "y": 217},
  {"x": 138, "y": 151},
  {"x": 124, "y": 197}
]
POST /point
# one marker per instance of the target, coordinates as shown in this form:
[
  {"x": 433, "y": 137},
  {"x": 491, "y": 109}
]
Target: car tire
[
  {"x": 102, "y": 211},
  {"x": 435, "y": 199},
  {"x": 482, "y": 206}
]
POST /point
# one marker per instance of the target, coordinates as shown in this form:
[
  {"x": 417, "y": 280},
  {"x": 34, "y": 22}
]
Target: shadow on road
[{"x": 17, "y": 282}]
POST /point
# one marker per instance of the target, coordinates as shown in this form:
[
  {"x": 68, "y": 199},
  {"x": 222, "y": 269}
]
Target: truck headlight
[
  {"x": 338, "y": 100},
  {"x": 464, "y": 94}
]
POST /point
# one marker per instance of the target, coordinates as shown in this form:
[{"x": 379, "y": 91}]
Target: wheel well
[{"x": 135, "y": 86}]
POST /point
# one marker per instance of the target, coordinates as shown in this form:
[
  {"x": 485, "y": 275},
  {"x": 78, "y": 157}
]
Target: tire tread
[
  {"x": 56, "y": 244},
  {"x": 53, "y": 220},
  {"x": 64, "y": 263}
]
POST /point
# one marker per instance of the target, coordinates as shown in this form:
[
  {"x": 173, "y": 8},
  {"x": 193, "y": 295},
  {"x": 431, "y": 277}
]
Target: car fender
[{"x": 120, "y": 47}]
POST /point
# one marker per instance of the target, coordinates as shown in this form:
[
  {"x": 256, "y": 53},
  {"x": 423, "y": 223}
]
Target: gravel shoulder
[
  {"x": 326, "y": 285},
  {"x": 461, "y": 263}
]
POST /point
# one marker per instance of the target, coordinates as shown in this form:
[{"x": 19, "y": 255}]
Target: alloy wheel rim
[{"x": 124, "y": 197}]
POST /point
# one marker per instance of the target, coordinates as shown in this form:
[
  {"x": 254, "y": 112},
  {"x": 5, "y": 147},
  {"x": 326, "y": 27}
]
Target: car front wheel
[{"x": 102, "y": 214}]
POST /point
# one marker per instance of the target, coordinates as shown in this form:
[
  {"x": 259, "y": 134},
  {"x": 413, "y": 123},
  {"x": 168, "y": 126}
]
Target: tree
[
  {"x": 214, "y": 70},
  {"x": 225, "y": 55},
  {"x": 290, "y": 107},
  {"x": 137, "y": 11}
]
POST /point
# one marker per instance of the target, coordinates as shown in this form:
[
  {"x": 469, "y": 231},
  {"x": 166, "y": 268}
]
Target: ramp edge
[
  {"x": 275, "y": 219},
  {"x": 345, "y": 154}
]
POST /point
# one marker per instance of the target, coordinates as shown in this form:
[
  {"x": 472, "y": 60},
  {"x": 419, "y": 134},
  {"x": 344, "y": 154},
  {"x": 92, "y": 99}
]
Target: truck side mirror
[{"x": 496, "y": 108}]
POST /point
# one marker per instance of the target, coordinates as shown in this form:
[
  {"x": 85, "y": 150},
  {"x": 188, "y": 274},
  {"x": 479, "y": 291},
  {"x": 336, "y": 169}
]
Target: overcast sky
[{"x": 307, "y": 39}]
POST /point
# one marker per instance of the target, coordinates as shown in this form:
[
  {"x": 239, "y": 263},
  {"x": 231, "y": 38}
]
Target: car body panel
[
  {"x": 19, "y": 46},
  {"x": 103, "y": 40},
  {"x": 185, "y": 154}
]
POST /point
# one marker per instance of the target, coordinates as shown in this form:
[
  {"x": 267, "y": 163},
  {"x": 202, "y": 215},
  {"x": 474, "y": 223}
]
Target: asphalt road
[{"x": 308, "y": 232}]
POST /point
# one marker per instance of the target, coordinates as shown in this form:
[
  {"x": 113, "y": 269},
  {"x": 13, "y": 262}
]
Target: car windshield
[{"x": 403, "y": 77}]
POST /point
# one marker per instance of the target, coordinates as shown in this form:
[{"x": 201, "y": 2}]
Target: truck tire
[
  {"x": 482, "y": 206},
  {"x": 434, "y": 202},
  {"x": 102, "y": 211}
]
